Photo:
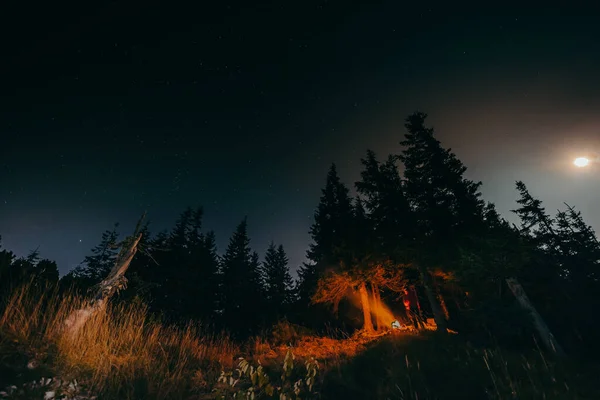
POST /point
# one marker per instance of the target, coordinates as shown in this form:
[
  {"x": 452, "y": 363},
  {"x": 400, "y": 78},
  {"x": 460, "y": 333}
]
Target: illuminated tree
[
  {"x": 360, "y": 273},
  {"x": 329, "y": 232},
  {"x": 354, "y": 283}
]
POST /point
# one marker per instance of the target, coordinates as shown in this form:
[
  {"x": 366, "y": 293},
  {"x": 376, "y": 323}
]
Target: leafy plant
[
  {"x": 253, "y": 382},
  {"x": 48, "y": 389}
]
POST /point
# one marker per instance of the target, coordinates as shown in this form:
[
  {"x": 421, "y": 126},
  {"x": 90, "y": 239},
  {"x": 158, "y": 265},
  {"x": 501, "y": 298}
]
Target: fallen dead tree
[
  {"x": 114, "y": 282},
  {"x": 538, "y": 322}
]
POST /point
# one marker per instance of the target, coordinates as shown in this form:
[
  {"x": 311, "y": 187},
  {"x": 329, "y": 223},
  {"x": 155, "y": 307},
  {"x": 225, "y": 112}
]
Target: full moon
[{"x": 581, "y": 162}]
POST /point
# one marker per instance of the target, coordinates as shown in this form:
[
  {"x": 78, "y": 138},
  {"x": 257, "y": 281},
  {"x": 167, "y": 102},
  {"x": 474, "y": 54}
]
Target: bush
[
  {"x": 250, "y": 382},
  {"x": 285, "y": 333}
]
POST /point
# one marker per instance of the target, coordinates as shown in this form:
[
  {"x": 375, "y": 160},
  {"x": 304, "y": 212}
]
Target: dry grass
[
  {"x": 120, "y": 352},
  {"x": 331, "y": 352}
]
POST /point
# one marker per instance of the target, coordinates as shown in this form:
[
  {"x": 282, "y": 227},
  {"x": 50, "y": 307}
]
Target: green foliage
[{"x": 254, "y": 382}]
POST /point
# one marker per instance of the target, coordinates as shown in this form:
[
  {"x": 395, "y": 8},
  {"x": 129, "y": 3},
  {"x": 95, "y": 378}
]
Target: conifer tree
[
  {"x": 278, "y": 281},
  {"x": 46, "y": 270},
  {"x": 241, "y": 291},
  {"x": 176, "y": 273},
  {"x": 535, "y": 222},
  {"x": 207, "y": 288},
  {"x": 332, "y": 220},
  {"x": 446, "y": 205},
  {"x": 29, "y": 269},
  {"x": 182, "y": 271},
  {"x": 537, "y": 228},
  {"x": 329, "y": 234},
  {"x": 579, "y": 250},
  {"x": 96, "y": 267},
  {"x": 386, "y": 204},
  {"x": 156, "y": 273},
  {"x": 444, "y": 201}
]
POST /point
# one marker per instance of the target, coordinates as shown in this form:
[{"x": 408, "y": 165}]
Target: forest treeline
[{"x": 417, "y": 222}]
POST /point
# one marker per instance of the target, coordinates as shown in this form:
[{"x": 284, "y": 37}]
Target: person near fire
[{"x": 413, "y": 310}]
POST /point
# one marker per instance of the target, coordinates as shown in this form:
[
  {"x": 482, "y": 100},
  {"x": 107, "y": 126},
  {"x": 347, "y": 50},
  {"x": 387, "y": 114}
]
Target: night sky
[{"x": 107, "y": 111}]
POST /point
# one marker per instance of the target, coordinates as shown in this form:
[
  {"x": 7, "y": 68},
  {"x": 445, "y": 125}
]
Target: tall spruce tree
[
  {"x": 156, "y": 273},
  {"x": 360, "y": 270},
  {"x": 329, "y": 233},
  {"x": 278, "y": 281},
  {"x": 333, "y": 219},
  {"x": 241, "y": 291},
  {"x": 444, "y": 201},
  {"x": 206, "y": 289},
  {"x": 182, "y": 272},
  {"x": 537, "y": 228},
  {"x": 447, "y": 206},
  {"x": 198, "y": 269},
  {"x": 386, "y": 204},
  {"x": 177, "y": 273},
  {"x": 535, "y": 222},
  {"x": 580, "y": 250}
]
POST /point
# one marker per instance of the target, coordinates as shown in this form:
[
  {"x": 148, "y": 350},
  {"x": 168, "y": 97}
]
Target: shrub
[{"x": 250, "y": 382}]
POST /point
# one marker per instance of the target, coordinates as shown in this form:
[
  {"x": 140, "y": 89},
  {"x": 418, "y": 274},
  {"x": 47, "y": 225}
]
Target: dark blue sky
[{"x": 106, "y": 112}]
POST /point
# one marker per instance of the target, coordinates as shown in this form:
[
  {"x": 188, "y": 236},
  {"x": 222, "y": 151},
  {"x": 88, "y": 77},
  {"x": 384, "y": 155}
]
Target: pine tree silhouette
[
  {"x": 241, "y": 291},
  {"x": 278, "y": 282}
]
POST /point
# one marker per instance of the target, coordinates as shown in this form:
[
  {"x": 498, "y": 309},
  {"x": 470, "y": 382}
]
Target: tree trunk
[
  {"x": 440, "y": 297},
  {"x": 108, "y": 287},
  {"x": 438, "y": 315},
  {"x": 364, "y": 300},
  {"x": 538, "y": 322},
  {"x": 377, "y": 308},
  {"x": 443, "y": 306}
]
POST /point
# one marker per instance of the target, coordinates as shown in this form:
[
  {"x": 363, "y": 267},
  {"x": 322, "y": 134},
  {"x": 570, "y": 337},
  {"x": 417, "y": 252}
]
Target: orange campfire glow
[
  {"x": 380, "y": 313},
  {"x": 364, "y": 292}
]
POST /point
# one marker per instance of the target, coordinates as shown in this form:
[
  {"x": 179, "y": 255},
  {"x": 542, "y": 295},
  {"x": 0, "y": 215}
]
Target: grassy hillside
[{"x": 123, "y": 354}]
